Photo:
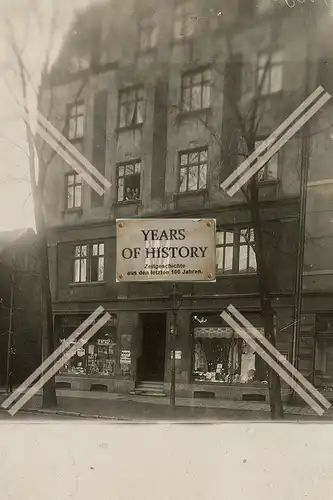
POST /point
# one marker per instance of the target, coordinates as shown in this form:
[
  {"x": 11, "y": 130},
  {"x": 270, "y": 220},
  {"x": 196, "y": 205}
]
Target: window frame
[
  {"x": 237, "y": 245},
  {"x": 261, "y": 70},
  {"x": 137, "y": 100},
  {"x": 75, "y": 175},
  {"x": 183, "y": 15},
  {"x": 133, "y": 163},
  {"x": 69, "y": 117},
  {"x": 188, "y": 165},
  {"x": 88, "y": 258},
  {"x": 203, "y": 83},
  {"x": 263, "y": 179},
  {"x": 148, "y": 26}
]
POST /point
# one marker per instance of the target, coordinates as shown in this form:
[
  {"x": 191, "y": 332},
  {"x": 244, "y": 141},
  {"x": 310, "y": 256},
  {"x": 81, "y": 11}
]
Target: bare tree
[{"x": 39, "y": 153}]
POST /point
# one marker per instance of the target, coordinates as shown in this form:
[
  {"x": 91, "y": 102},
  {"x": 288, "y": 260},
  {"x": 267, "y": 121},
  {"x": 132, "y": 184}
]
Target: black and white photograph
[{"x": 166, "y": 223}]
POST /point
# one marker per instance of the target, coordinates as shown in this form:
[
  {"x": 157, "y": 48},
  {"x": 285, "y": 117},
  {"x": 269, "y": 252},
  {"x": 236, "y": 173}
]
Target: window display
[
  {"x": 220, "y": 355},
  {"x": 98, "y": 356}
]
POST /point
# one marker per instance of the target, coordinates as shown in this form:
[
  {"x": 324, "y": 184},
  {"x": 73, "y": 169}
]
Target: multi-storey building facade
[{"x": 145, "y": 90}]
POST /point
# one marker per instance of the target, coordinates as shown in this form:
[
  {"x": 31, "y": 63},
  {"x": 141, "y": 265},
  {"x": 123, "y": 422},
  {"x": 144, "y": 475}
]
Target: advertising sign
[
  {"x": 125, "y": 357},
  {"x": 166, "y": 250}
]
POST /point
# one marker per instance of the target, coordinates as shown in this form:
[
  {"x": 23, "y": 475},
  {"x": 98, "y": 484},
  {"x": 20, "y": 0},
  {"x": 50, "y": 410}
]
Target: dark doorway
[{"x": 151, "y": 363}]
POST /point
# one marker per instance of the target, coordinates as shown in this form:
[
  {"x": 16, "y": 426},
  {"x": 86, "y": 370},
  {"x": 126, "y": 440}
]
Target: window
[
  {"x": 193, "y": 170},
  {"x": 184, "y": 22},
  {"x": 270, "y": 71},
  {"x": 196, "y": 88},
  {"x": 221, "y": 356},
  {"x": 131, "y": 112},
  {"x": 147, "y": 33},
  {"x": 89, "y": 263},
  {"x": 234, "y": 252},
  {"x": 224, "y": 251},
  {"x": 264, "y": 5},
  {"x": 324, "y": 351},
  {"x": 97, "y": 357},
  {"x": 74, "y": 191},
  {"x": 269, "y": 172},
  {"x": 128, "y": 181},
  {"x": 76, "y": 122}
]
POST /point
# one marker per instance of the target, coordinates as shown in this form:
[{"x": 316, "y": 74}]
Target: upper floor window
[
  {"x": 184, "y": 20},
  {"x": 147, "y": 30},
  {"x": 88, "y": 263},
  {"x": 76, "y": 121},
  {"x": 235, "y": 252},
  {"x": 269, "y": 172},
  {"x": 73, "y": 191},
  {"x": 270, "y": 72},
  {"x": 131, "y": 107},
  {"x": 196, "y": 89},
  {"x": 128, "y": 181},
  {"x": 193, "y": 170}
]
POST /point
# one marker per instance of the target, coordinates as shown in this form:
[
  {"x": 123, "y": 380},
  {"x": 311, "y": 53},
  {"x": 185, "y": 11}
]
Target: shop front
[{"x": 100, "y": 364}]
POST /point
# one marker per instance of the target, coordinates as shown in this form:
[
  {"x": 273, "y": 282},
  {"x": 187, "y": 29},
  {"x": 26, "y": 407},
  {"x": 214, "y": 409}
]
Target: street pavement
[{"x": 127, "y": 408}]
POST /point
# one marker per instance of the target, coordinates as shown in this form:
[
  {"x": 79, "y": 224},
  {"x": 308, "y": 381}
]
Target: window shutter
[
  {"x": 325, "y": 73},
  {"x": 99, "y": 141}
]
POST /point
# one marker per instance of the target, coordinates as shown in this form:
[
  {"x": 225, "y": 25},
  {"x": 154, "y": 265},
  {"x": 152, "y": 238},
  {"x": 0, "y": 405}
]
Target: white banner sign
[{"x": 166, "y": 250}]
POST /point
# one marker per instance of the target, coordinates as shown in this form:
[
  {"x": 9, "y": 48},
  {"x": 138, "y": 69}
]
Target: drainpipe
[
  {"x": 302, "y": 214},
  {"x": 10, "y": 334}
]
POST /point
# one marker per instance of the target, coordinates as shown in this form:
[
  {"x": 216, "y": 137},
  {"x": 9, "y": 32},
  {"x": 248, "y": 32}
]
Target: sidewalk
[{"x": 126, "y": 407}]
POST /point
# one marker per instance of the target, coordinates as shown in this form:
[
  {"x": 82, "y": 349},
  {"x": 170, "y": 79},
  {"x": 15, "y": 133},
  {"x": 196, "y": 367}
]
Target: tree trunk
[
  {"x": 48, "y": 343},
  {"x": 274, "y": 383}
]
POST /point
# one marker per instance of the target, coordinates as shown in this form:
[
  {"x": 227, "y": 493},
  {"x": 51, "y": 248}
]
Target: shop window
[
  {"x": 131, "y": 107},
  {"x": 235, "y": 251},
  {"x": 221, "y": 356},
  {"x": 128, "y": 181},
  {"x": 97, "y": 357},
  {"x": 324, "y": 352},
  {"x": 195, "y": 90},
  {"x": 88, "y": 263},
  {"x": 193, "y": 170},
  {"x": 270, "y": 72}
]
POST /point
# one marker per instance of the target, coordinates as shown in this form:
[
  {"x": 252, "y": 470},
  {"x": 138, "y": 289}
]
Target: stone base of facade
[{"x": 235, "y": 392}]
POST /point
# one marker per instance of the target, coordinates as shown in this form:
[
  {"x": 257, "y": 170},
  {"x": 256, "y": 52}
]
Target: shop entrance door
[{"x": 151, "y": 363}]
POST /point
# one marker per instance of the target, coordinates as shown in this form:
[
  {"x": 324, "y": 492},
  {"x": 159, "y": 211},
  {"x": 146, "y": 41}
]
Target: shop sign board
[
  {"x": 166, "y": 250},
  {"x": 178, "y": 354},
  {"x": 125, "y": 357}
]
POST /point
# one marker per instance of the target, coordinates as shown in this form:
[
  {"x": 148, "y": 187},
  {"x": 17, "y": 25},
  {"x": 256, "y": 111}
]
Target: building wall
[{"x": 165, "y": 132}]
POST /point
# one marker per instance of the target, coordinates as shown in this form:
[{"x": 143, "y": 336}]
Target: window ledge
[
  {"x": 128, "y": 128},
  {"x": 75, "y": 210},
  {"x": 191, "y": 193},
  {"x": 271, "y": 182},
  {"x": 193, "y": 113},
  {"x": 236, "y": 275},
  {"x": 127, "y": 202},
  {"x": 87, "y": 283}
]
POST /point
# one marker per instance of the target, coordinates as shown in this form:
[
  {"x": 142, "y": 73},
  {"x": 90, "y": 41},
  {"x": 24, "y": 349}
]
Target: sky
[{"x": 16, "y": 208}]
